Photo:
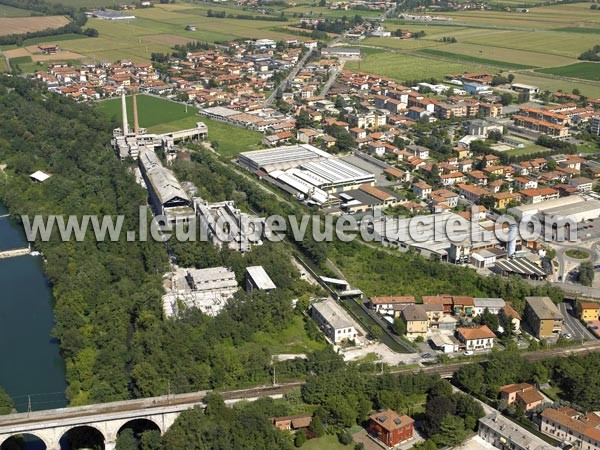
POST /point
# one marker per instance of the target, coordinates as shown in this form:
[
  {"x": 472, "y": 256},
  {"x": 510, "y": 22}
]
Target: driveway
[{"x": 572, "y": 324}]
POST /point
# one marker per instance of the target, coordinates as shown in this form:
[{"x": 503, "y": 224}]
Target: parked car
[
  {"x": 468, "y": 353},
  {"x": 426, "y": 355}
]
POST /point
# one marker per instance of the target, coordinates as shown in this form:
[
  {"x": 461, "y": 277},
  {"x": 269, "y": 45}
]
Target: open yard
[
  {"x": 586, "y": 70},
  {"x": 161, "y": 115},
  {"x": 18, "y": 25},
  {"x": 327, "y": 442}
]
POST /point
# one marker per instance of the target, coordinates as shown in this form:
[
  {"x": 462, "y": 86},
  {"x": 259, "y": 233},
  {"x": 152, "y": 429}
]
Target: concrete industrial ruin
[{"x": 129, "y": 142}]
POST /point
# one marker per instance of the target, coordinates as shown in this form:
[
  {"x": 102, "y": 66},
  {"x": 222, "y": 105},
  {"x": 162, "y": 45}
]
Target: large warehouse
[
  {"x": 307, "y": 171},
  {"x": 281, "y": 158},
  {"x": 575, "y": 207}
]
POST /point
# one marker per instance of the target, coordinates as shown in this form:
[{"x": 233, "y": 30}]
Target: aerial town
[{"x": 250, "y": 138}]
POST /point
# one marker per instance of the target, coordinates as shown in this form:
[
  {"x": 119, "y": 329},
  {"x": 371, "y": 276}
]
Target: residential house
[
  {"x": 503, "y": 199},
  {"x": 543, "y": 317},
  {"x": 462, "y": 305},
  {"x": 523, "y": 394},
  {"x": 588, "y": 311},
  {"x": 493, "y": 305},
  {"x": 421, "y": 189},
  {"x": 581, "y": 183},
  {"x": 390, "y": 428},
  {"x": 450, "y": 179},
  {"x": 581, "y": 431},
  {"x": 476, "y": 338},
  {"x": 508, "y": 313},
  {"x": 532, "y": 196},
  {"x": 386, "y": 305},
  {"x": 416, "y": 320},
  {"x": 292, "y": 423}
]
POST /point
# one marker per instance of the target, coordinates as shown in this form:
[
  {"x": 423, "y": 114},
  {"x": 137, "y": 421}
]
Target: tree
[
  {"x": 126, "y": 440},
  {"x": 452, "y": 431},
  {"x": 399, "y": 326},
  {"x": 470, "y": 377},
  {"x": 506, "y": 98},
  {"x": 300, "y": 438},
  {"x": 510, "y": 78},
  {"x": 586, "y": 273},
  {"x": 6, "y": 403}
]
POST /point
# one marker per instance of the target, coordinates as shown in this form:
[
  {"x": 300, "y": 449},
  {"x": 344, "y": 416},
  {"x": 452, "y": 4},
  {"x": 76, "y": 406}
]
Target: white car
[{"x": 468, "y": 353}]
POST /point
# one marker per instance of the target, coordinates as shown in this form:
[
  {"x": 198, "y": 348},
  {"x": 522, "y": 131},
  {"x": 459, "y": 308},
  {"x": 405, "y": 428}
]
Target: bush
[{"x": 345, "y": 437}]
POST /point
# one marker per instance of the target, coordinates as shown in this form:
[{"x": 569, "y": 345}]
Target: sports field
[
  {"x": 585, "y": 70},
  {"x": 160, "y": 115},
  {"x": 19, "y": 25},
  {"x": 403, "y": 67}
]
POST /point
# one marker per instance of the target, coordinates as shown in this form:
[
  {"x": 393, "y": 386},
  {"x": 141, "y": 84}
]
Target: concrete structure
[
  {"x": 387, "y": 305},
  {"x": 334, "y": 321},
  {"x": 523, "y": 394},
  {"x": 505, "y": 434},
  {"x": 281, "y": 158},
  {"x": 345, "y": 53},
  {"x": 476, "y": 338},
  {"x": 258, "y": 279},
  {"x": 226, "y": 225},
  {"x": 390, "y": 428},
  {"x": 50, "y": 426},
  {"x": 167, "y": 197},
  {"x": 39, "y": 176},
  {"x": 576, "y": 208},
  {"x": 543, "y": 317},
  {"x": 568, "y": 425},
  {"x": 445, "y": 343},
  {"x": 595, "y": 128}
]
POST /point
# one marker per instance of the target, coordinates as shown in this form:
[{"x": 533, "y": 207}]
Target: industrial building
[
  {"x": 206, "y": 289},
  {"x": 128, "y": 142},
  {"x": 281, "y": 158},
  {"x": 224, "y": 224},
  {"x": 306, "y": 172},
  {"x": 543, "y": 317},
  {"x": 334, "y": 321},
  {"x": 577, "y": 208},
  {"x": 257, "y": 278},
  {"x": 167, "y": 197}
]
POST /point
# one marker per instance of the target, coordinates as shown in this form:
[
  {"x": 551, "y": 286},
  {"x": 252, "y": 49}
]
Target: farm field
[
  {"x": 11, "y": 11},
  {"x": 19, "y": 25},
  {"x": 586, "y": 70},
  {"x": 399, "y": 44},
  {"x": 505, "y": 56},
  {"x": 402, "y": 67},
  {"x": 161, "y": 115},
  {"x": 84, "y": 3},
  {"x": 554, "y": 84},
  {"x": 472, "y": 59}
]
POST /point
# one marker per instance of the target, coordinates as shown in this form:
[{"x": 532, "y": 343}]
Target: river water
[{"x": 31, "y": 368}]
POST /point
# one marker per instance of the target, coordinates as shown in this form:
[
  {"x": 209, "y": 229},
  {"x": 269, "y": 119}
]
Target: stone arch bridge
[{"x": 50, "y": 426}]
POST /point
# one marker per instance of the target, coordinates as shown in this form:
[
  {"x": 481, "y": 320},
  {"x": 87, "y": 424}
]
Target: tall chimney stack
[
  {"x": 124, "y": 107},
  {"x": 136, "y": 125}
]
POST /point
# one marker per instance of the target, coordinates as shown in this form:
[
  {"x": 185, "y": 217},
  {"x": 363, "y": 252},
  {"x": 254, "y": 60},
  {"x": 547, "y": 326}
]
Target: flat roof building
[
  {"x": 258, "y": 278},
  {"x": 333, "y": 320},
  {"x": 281, "y": 158},
  {"x": 504, "y": 433}
]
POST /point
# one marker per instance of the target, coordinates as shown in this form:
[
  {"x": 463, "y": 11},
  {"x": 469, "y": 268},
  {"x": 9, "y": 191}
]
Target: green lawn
[
  {"x": 327, "y": 442},
  {"x": 291, "y": 340},
  {"x": 160, "y": 115},
  {"x": 579, "y": 30},
  {"x": 528, "y": 150},
  {"x": 11, "y": 11},
  {"x": 3, "y": 65},
  {"x": 473, "y": 59},
  {"x": 576, "y": 253},
  {"x": 585, "y": 70}
]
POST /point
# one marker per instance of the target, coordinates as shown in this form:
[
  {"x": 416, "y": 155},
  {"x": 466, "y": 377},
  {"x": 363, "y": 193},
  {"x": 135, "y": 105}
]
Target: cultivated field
[
  {"x": 161, "y": 115},
  {"x": 555, "y": 84},
  {"x": 586, "y": 70},
  {"x": 19, "y": 25}
]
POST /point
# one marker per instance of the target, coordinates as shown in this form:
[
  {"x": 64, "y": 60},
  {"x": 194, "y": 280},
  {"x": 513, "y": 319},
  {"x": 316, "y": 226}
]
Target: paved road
[
  {"x": 332, "y": 77},
  {"x": 282, "y": 86},
  {"x": 572, "y": 325}
]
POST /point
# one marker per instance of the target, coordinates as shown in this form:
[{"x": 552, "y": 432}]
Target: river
[{"x": 31, "y": 367}]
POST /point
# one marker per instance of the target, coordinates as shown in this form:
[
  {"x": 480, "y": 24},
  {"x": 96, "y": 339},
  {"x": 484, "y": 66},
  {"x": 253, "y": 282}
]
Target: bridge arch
[
  {"x": 141, "y": 424},
  {"x": 5, "y": 441},
  {"x": 76, "y": 434}
]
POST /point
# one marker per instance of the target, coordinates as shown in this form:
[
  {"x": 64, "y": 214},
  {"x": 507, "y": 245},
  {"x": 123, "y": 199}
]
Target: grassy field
[
  {"x": 161, "y": 115},
  {"x": 327, "y": 442},
  {"x": 3, "y": 65},
  {"x": 17, "y": 25},
  {"x": 585, "y": 70},
  {"x": 53, "y": 39},
  {"x": 473, "y": 59},
  {"x": 291, "y": 340},
  {"x": 84, "y": 3},
  {"x": 407, "y": 67},
  {"x": 528, "y": 150},
  {"x": 10, "y": 11}
]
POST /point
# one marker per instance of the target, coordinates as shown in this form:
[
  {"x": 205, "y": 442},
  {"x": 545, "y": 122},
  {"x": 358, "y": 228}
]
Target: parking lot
[{"x": 572, "y": 325}]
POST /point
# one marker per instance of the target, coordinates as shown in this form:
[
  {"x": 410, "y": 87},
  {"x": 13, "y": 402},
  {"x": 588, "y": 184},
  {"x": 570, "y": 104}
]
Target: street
[{"x": 572, "y": 325}]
